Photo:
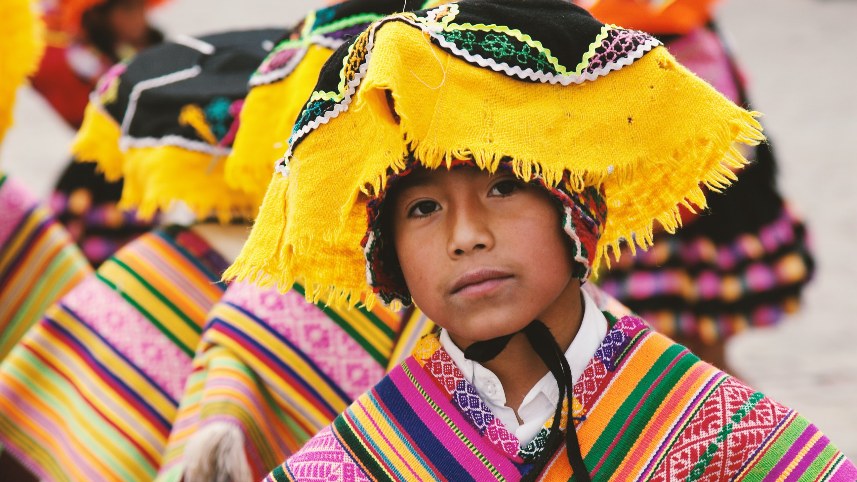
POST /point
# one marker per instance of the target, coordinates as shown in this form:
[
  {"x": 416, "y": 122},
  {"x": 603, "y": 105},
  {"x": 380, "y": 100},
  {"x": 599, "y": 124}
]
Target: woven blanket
[
  {"x": 280, "y": 369},
  {"x": 91, "y": 391},
  {"x": 38, "y": 262},
  {"x": 645, "y": 409}
]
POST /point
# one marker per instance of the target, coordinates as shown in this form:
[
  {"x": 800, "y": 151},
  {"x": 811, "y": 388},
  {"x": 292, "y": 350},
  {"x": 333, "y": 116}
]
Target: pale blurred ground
[{"x": 799, "y": 55}]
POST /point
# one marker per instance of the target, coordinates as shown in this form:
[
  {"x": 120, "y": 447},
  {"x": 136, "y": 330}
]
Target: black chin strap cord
[{"x": 546, "y": 347}]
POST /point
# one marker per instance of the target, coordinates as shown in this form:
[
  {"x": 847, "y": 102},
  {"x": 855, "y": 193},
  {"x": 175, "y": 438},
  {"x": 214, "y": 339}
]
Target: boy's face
[{"x": 482, "y": 255}]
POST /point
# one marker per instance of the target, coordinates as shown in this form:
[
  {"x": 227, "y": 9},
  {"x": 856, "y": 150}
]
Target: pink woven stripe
[{"x": 131, "y": 334}]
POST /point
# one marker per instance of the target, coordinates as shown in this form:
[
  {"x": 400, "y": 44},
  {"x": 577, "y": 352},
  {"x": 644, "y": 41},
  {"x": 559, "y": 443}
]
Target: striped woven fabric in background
[
  {"x": 39, "y": 262},
  {"x": 278, "y": 369},
  {"x": 90, "y": 393}
]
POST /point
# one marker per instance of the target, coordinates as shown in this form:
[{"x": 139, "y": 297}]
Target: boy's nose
[{"x": 469, "y": 231}]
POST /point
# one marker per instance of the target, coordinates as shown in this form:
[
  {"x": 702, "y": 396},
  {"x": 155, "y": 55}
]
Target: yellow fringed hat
[
  {"x": 166, "y": 121},
  {"x": 20, "y": 51},
  {"x": 539, "y": 87},
  {"x": 284, "y": 81}
]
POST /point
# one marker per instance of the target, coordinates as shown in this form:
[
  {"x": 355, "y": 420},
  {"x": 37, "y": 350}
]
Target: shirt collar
[{"x": 539, "y": 403}]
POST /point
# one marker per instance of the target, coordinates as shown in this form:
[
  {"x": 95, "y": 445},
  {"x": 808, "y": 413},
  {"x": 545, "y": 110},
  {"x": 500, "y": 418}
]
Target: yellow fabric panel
[
  {"x": 267, "y": 117},
  {"x": 97, "y": 141},
  {"x": 156, "y": 177}
]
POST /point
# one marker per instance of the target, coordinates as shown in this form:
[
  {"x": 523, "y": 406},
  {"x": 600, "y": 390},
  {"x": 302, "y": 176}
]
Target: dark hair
[{"x": 389, "y": 260}]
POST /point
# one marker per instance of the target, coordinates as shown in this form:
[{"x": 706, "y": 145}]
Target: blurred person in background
[
  {"x": 85, "y": 38},
  {"x": 743, "y": 262}
]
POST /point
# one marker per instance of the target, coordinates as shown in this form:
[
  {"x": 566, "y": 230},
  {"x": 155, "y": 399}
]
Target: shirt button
[{"x": 491, "y": 389}]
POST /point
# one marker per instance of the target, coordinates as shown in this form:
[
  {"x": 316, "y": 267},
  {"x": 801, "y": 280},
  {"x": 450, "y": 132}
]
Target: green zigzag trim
[
  {"x": 535, "y": 44},
  {"x": 605, "y": 31},
  {"x": 338, "y": 95}
]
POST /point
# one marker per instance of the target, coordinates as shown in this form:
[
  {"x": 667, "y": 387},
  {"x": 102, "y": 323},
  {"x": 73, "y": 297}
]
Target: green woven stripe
[
  {"x": 815, "y": 471},
  {"x": 167, "y": 303},
  {"x": 619, "y": 359},
  {"x": 702, "y": 399},
  {"x": 173, "y": 241},
  {"x": 458, "y": 433},
  {"x": 279, "y": 475},
  {"x": 840, "y": 457},
  {"x": 51, "y": 282},
  {"x": 648, "y": 406},
  {"x": 355, "y": 335},
  {"x": 254, "y": 432}
]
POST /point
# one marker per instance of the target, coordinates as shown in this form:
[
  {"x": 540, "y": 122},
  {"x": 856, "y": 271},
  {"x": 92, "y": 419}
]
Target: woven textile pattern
[
  {"x": 280, "y": 369},
  {"x": 651, "y": 410},
  {"x": 38, "y": 262},
  {"x": 90, "y": 393}
]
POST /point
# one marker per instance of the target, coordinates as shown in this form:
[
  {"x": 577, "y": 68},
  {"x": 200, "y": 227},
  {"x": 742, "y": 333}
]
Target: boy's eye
[
  {"x": 505, "y": 187},
  {"x": 423, "y": 209}
]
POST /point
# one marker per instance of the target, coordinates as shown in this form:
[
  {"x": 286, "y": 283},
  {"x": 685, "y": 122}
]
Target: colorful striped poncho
[
  {"x": 38, "y": 262},
  {"x": 645, "y": 409},
  {"x": 91, "y": 391},
  {"x": 278, "y": 369}
]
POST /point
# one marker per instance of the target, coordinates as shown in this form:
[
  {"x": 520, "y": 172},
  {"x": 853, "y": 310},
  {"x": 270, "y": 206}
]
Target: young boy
[{"x": 479, "y": 159}]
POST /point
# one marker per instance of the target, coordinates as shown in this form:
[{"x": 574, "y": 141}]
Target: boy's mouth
[{"x": 479, "y": 281}]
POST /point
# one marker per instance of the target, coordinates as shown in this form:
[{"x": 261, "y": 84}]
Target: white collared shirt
[{"x": 540, "y": 402}]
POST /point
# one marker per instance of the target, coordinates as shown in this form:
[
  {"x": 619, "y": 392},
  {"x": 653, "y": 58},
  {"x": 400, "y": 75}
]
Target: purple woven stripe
[
  {"x": 808, "y": 458},
  {"x": 792, "y": 453}
]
